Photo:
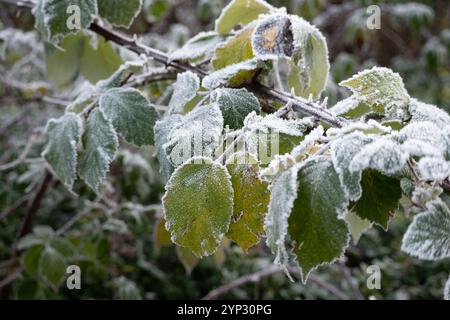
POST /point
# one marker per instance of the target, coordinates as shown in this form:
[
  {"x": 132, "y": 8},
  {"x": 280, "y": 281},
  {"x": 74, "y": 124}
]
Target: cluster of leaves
[{"x": 325, "y": 186}]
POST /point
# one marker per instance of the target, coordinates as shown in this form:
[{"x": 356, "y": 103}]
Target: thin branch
[
  {"x": 11, "y": 278},
  {"x": 33, "y": 208},
  {"x": 258, "y": 276},
  {"x": 14, "y": 207},
  {"x": 23, "y": 155},
  {"x": 348, "y": 278},
  {"x": 300, "y": 105}
]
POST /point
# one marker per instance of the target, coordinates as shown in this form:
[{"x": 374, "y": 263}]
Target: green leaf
[
  {"x": 161, "y": 237},
  {"x": 283, "y": 192},
  {"x": 187, "y": 259},
  {"x": 61, "y": 152},
  {"x": 240, "y": 12},
  {"x": 198, "y": 205},
  {"x": 30, "y": 259},
  {"x": 235, "y": 105},
  {"x": 309, "y": 66},
  {"x": 131, "y": 114},
  {"x": 197, "y": 134},
  {"x": 199, "y": 48},
  {"x": 251, "y": 199},
  {"x": 52, "y": 267},
  {"x": 78, "y": 56},
  {"x": 236, "y": 49},
  {"x": 118, "y": 77},
  {"x": 380, "y": 197},
  {"x": 428, "y": 236},
  {"x": 99, "y": 62},
  {"x": 185, "y": 89},
  {"x": 382, "y": 89},
  {"x": 58, "y": 16},
  {"x": 316, "y": 226},
  {"x": 99, "y": 149},
  {"x": 120, "y": 13},
  {"x": 39, "y": 18},
  {"x": 233, "y": 75},
  {"x": 356, "y": 225}
]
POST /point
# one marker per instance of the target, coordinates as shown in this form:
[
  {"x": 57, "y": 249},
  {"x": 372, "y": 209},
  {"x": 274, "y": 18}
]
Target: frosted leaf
[
  {"x": 382, "y": 89},
  {"x": 308, "y": 142},
  {"x": 235, "y": 105},
  {"x": 421, "y": 111},
  {"x": 278, "y": 164},
  {"x": 240, "y": 12},
  {"x": 197, "y": 134},
  {"x": 272, "y": 37},
  {"x": 283, "y": 192},
  {"x": 198, "y": 205},
  {"x": 162, "y": 129},
  {"x": 426, "y": 132},
  {"x": 345, "y": 105},
  {"x": 369, "y": 127},
  {"x": 39, "y": 18},
  {"x": 233, "y": 75},
  {"x": 201, "y": 47},
  {"x": 185, "y": 89},
  {"x": 383, "y": 155},
  {"x": 447, "y": 290},
  {"x": 271, "y": 122},
  {"x": 131, "y": 114},
  {"x": 56, "y": 16},
  {"x": 412, "y": 11},
  {"x": 61, "y": 151},
  {"x": 433, "y": 169},
  {"x": 420, "y": 148},
  {"x": 319, "y": 235},
  {"x": 309, "y": 65},
  {"x": 99, "y": 149},
  {"x": 117, "y": 78},
  {"x": 428, "y": 236},
  {"x": 119, "y": 13},
  {"x": 251, "y": 199},
  {"x": 343, "y": 151},
  {"x": 357, "y": 226}
]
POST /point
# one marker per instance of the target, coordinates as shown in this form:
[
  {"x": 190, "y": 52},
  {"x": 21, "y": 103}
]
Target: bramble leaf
[
  {"x": 235, "y": 105},
  {"x": 64, "y": 135},
  {"x": 240, "y": 12},
  {"x": 99, "y": 149},
  {"x": 185, "y": 89},
  {"x": 120, "y": 13},
  {"x": 428, "y": 236},
  {"x": 316, "y": 226},
  {"x": 198, "y": 205},
  {"x": 131, "y": 114},
  {"x": 251, "y": 199}
]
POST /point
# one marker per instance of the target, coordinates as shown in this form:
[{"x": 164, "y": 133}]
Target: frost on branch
[
  {"x": 382, "y": 89},
  {"x": 99, "y": 149},
  {"x": 235, "y": 105},
  {"x": 197, "y": 134},
  {"x": 131, "y": 114},
  {"x": 185, "y": 89},
  {"x": 428, "y": 236},
  {"x": 61, "y": 151},
  {"x": 283, "y": 192},
  {"x": 198, "y": 205}
]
